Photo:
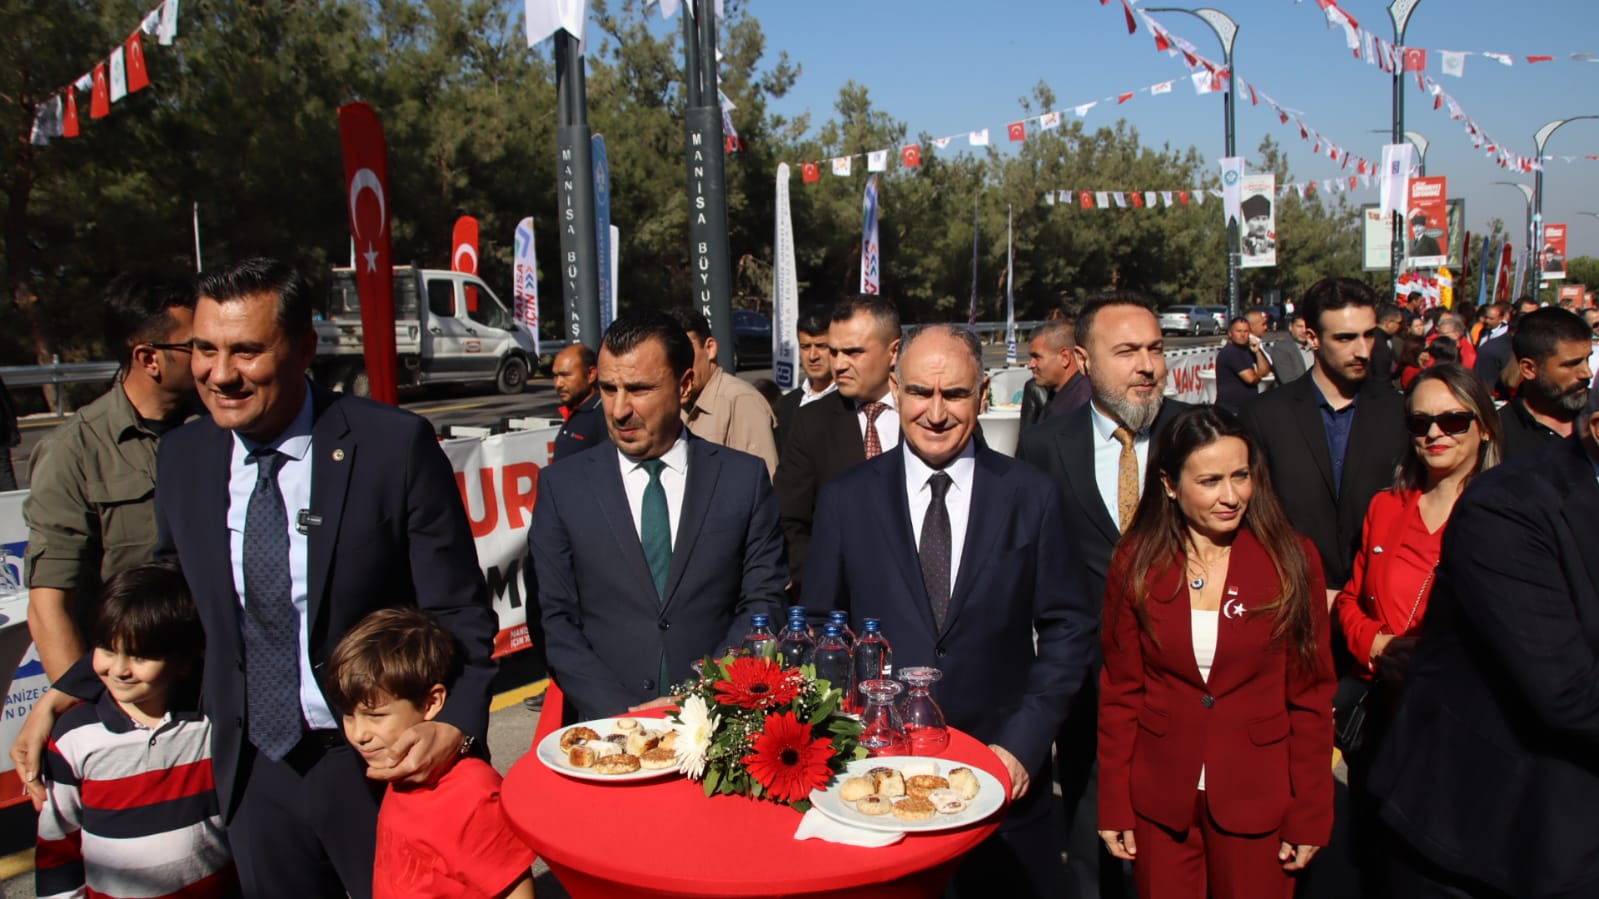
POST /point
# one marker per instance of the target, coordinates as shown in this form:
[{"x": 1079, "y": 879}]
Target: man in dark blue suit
[
  {"x": 295, "y": 513},
  {"x": 656, "y": 554},
  {"x": 965, "y": 554}
]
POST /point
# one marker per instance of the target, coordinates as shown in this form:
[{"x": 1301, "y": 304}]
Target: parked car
[
  {"x": 752, "y": 339},
  {"x": 1190, "y": 320},
  {"x": 1219, "y": 313}
]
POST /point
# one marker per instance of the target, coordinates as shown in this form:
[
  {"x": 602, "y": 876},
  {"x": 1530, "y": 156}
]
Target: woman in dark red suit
[
  {"x": 1454, "y": 436},
  {"x": 1215, "y": 727}
]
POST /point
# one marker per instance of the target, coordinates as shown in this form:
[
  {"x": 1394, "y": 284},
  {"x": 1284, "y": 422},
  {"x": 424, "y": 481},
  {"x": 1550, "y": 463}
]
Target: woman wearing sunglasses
[{"x": 1454, "y": 435}]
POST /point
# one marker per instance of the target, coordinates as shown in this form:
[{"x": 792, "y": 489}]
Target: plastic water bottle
[
  {"x": 874, "y": 658},
  {"x": 794, "y": 645},
  {"x": 835, "y": 664},
  {"x": 759, "y": 642},
  {"x": 841, "y": 618},
  {"x": 809, "y": 631}
]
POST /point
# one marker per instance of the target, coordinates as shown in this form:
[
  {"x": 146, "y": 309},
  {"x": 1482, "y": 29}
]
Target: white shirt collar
[
  {"x": 960, "y": 469},
  {"x": 675, "y": 458},
  {"x": 808, "y": 389},
  {"x": 887, "y": 400}
]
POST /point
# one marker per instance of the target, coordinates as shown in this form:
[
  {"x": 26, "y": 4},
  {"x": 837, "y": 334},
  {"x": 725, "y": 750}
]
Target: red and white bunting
[{"x": 120, "y": 72}]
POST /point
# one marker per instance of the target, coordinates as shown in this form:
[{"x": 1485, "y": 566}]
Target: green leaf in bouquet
[{"x": 801, "y": 805}]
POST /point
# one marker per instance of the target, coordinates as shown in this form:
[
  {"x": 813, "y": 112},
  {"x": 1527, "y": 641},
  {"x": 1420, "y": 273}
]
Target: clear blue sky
[{"x": 948, "y": 67}]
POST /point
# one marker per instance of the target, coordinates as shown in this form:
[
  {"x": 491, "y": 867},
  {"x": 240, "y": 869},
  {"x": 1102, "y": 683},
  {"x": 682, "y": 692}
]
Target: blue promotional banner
[
  {"x": 871, "y": 261},
  {"x": 525, "y": 281},
  {"x": 602, "y": 230}
]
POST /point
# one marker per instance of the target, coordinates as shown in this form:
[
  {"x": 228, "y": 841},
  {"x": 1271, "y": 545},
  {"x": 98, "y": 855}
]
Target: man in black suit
[
  {"x": 964, "y": 555},
  {"x": 1332, "y": 439},
  {"x": 1488, "y": 772},
  {"x": 1121, "y": 350},
  {"x": 1551, "y": 347},
  {"x": 815, "y": 362},
  {"x": 576, "y": 384},
  {"x": 654, "y": 555},
  {"x": 845, "y": 429},
  {"x": 295, "y": 512}
]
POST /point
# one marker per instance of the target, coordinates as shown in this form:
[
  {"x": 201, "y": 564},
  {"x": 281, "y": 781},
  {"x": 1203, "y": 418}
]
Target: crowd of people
[{"x": 1171, "y": 612}]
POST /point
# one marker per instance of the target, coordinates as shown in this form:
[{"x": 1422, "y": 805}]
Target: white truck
[{"x": 449, "y": 327}]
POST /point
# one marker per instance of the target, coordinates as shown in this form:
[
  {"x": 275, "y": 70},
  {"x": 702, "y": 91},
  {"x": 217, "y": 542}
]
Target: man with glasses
[{"x": 91, "y": 505}]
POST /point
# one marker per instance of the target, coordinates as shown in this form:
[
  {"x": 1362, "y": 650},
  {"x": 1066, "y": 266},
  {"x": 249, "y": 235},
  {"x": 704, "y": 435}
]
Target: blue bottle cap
[
  {"x": 832, "y": 631},
  {"x": 871, "y": 624},
  {"x": 838, "y": 616},
  {"x": 760, "y": 621}
]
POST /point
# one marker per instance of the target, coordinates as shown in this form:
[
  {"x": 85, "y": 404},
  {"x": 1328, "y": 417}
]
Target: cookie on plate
[
  {"x": 964, "y": 780},
  {"x": 874, "y": 805},
  {"x": 621, "y": 763},
  {"x": 887, "y": 782},
  {"x": 854, "y": 789},
  {"x": 913, "y": 808},
  {"x": 923, "y": 784},
  {"x": 658, "y": 759},
  {"x": 576, "y": 735}
]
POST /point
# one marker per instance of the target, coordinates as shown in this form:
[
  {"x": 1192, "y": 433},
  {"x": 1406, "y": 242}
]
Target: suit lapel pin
[
  {"x": 1233, "y": 608},
  {"x": 1376, "y": 549},
  {"x": 338, "y": 455}
]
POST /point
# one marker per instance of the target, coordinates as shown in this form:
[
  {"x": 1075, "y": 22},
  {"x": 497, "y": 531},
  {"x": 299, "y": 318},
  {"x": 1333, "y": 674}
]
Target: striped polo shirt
[{"x": 131, "y": 812}]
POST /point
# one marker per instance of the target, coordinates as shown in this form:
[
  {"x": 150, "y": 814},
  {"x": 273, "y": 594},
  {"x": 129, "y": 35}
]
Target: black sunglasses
[
  {"x": 1451, "y": 423},
  {"x": 187, "y": 346}
]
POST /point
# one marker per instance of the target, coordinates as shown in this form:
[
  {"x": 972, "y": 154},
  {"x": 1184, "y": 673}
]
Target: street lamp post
[
  {"x": 1540, "y": 139},
  {"x": 1399, "y": 11},
  {"x": 1227, "y": 32},
  {"x": 710, "y": 269}
]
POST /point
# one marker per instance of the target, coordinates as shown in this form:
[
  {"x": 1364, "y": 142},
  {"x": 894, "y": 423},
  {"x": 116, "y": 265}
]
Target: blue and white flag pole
[
  {"x": 871, "y": 256},
  {"x": 785, "y": 291},
  {"x": 1010, "y": 289}
]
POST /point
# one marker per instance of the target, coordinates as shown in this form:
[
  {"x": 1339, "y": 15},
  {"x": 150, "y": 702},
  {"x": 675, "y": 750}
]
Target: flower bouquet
[{"x": 749, "y": 727}]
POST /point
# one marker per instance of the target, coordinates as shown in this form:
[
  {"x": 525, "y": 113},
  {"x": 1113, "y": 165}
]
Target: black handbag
[{"x": 1352, "y": 704}]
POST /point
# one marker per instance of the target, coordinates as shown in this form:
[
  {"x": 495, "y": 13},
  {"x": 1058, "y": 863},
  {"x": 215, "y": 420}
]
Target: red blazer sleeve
[
  {"x": 1121, "y": 689},
  {"x": 1310, "y": 727},
  {"x": 1359, "y": 626}
]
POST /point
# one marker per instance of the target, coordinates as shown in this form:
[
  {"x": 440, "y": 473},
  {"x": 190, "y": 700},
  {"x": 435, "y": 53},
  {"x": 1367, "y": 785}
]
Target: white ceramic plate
[
  {"x": 549, "y": 752},
  {"x": 990, "y": 798}
]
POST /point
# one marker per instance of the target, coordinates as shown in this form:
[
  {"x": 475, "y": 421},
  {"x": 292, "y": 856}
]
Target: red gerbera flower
[
  {"x": 787, "y": 761},
  {"x": 755, "y": 683}
]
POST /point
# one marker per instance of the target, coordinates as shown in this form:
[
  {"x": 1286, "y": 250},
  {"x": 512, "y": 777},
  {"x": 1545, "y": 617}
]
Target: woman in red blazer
[
  {"x": 1454, "y": 435},
  {"x": 1215, "y": 724}
]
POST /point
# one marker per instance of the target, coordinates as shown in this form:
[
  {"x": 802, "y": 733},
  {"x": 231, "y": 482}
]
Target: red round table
[{"x": 666, "y": 838}]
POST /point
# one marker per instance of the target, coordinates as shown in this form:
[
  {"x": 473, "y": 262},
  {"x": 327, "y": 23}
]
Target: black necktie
[
  {"x": 934, "y": 548},
  {"x": 271, "y": 626}
]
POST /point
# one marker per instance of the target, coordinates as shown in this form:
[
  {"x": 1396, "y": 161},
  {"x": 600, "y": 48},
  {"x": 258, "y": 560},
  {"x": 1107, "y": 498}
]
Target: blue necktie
[{"x": 271, "y": 626}]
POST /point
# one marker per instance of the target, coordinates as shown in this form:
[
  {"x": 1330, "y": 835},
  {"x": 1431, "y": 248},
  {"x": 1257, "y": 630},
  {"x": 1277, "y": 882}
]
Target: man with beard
[
  {"x": 1552, "y": 347},
  {"x": 1352, "y": 426},
  {"x": 1098, "y": 453},
  {"x": 576, "y": 380}
]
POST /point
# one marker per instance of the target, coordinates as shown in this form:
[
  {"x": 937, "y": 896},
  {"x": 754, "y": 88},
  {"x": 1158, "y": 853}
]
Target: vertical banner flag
[
  {"x": 615, "y": 260},
  {"x": 602, "y": 229},
  {"x": 1552, "y": 257},
  {"x": 100, "y": 94},
  {"x": 1010, "y": 288},
  {"x": 1482, "y": 271},
  {"x": 1394, "y": 184},
  {"x": 785, "y": 291},
  {"x": 971, "y": 312},
  {"x": 1427, "y": 223},
  {"x": 525, "y": 285},
  {"x": 463, "y": 258},
  {"x": 1258, "y": 248},
  {"x": 871, "y": 261},
  {"x": 168, "y": 31},
  {"x": 1232, "y": 176},
  {"x": 1501, "y": 279},
  {"x": 366, "y": 188},
  {"x": 119, "y": 75},
  {"x": 138, "y": 75}
]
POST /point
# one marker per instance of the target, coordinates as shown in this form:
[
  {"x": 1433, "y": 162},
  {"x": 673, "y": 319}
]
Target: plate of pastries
[
  {"x": 909, "y": 794},
  {"x": 612, "y": 749}
]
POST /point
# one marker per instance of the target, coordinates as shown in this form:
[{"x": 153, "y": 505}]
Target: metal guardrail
[{"x": 55, "y": 375}]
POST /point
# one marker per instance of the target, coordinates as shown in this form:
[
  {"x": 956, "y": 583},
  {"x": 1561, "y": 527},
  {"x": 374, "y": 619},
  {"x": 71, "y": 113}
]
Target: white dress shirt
[
  {"x": 674, "y": 478},
  {"x": 957, "y": 501},
  {"x": 294, "y": 483},
  {"x": 1108, "y": 458},
  {"x": 808, "y": 396},
  {"x": 887, "y": 422},
  {"x": 1205, "y": 633}
]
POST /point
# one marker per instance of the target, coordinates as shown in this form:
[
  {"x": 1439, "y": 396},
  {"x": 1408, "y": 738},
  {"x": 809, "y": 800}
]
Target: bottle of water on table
[
  {"x": 836, "y": 665},
  {"x": 759, "y": 642},
  {"x": 841, "y": 618},
  {"x": 874, "y": 658},
  {"x": 794, "y": 645}
]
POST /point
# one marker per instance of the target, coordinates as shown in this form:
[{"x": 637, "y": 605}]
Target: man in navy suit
[
  {"x": 656, "y": 554},
  {"x": 295, "y": 513},
  {"x": 964, "y": 554}
]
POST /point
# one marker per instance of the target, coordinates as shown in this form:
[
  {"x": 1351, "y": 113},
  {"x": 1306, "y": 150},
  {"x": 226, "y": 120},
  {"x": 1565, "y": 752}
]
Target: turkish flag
[
  {"x": 1138, "y": 200},
  {"x": 1132, "y": 26},
  {"x": 138, "y": 75},
  {"x": 1182, "y": 197},
  {"x": 1161, "y": 44},
  {"x": 464, "y": 257},
  {"x": 1531, "y": 59},
  {"x": 100, "y": 95},
  {"x": 810, "y": 171},
  {"x": 1438, "y": 101},
  {"x": 911, "y": 156},
  {"x": 1086, "y": 198},
  {"x": 69, "y": 119},
  {"x": 1017, "y": 130},
  {"x": 366, "y": 188},
  {"x": 1253, "y": 100},
  {"x": 1125, "y": 97},
  {"x": 1282, "y": 115},
  {"x": 1415, "y": 59}
]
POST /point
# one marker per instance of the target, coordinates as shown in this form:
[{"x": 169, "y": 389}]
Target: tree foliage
[{"x": 240, "y": 123}]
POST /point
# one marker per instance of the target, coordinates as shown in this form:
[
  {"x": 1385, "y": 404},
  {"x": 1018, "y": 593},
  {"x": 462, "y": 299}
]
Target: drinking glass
[
  {"x": 884, "y": 731},
  {"x": 924, "y": 720}
]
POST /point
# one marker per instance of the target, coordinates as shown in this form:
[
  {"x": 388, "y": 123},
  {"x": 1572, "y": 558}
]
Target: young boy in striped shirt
[{"x": 131, "y": 808}]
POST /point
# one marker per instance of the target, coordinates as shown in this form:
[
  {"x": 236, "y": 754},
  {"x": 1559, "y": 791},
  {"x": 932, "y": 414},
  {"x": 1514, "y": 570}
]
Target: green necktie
[{"x": 655, "y": 527}]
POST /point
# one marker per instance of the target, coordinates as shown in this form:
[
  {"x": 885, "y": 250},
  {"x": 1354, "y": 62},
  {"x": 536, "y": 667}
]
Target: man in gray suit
[
  {"x": 656, "y": 554},
  {"x": 1290, "y": 354}
]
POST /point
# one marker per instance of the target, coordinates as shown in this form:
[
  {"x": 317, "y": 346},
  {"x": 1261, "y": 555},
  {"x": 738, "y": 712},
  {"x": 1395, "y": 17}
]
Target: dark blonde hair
[
  {"x": 1469, "y": 390},
  {"x": 401, "y": 652},
  {"x": 1158, "y": 533}
]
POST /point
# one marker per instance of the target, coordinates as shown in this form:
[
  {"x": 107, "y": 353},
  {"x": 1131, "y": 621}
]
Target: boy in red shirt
[{"x": 449, "y": 840}]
